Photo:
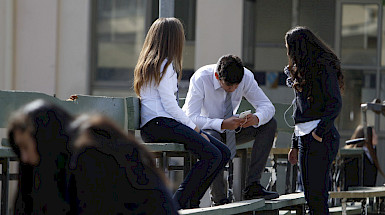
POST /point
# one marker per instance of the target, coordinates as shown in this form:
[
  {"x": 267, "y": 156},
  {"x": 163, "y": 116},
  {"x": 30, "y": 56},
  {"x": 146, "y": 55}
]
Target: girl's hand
[
  {"x": 199, "y": 131},
  {"x": 205, "y": 136},
  {"x": 293, "y": 156},
  {"x": 315, "y": 136}
]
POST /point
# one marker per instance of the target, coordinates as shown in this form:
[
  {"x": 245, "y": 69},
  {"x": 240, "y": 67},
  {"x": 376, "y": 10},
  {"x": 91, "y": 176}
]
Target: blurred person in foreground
[
  {"x": 113, "y": 173},
  {"x": 38, "y": 133}
]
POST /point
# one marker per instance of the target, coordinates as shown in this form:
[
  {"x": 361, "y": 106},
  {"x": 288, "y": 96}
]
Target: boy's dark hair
[{"x": 230, "y": 69}]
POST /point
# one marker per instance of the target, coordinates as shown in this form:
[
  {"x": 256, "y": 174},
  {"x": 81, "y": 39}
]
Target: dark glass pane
[
  {"x": 121, "y": 26},
  {"x": 359, "y": 34}
]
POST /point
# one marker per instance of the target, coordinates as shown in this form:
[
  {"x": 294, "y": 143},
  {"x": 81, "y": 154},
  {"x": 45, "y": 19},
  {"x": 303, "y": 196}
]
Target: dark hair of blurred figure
[
  {"x": 113, "y": 173},
  {"x": 38, "y": 133}
]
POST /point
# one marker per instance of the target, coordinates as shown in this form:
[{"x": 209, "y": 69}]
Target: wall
[
  {"x": 218, "y": 30},
  {"x": 45, "y": 46},
  {"x": 2, "y": 41},
  {"x": 6, "y": 43},
  {"x": 35, "y": 41},
  {"x": 73, "y": 48}
]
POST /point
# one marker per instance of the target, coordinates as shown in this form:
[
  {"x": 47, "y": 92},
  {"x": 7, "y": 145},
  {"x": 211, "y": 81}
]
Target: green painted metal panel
[
  {"x": 6, "y": 152},
  {"x": 280, "y": 116},
  {"x": 244, "y": 106},
  {"x": 4, "y": 142},
  {"x": 133, "y": 113},
  {"x": 10, "y": 101},
  {"x": 112, "y": 107},
  {"x": 280, "y": 109},
  {"x": 181, "y": 102}
]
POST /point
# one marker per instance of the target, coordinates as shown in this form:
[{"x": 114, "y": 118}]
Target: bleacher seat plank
[
  {"x": 280, "y": 151},
  {"x": 6, "y": 152},
  {"x": 284, "y": 201},
  {"x": 350, "y": 209},
  {"x": 133, "y": 113},
  {"x": 359, "y": 192},
  {"x": 247, "y": 145},
  {"x": 285, "y": 212},
  {"x": 165, "y": 147},
  {"x": 201, "y": 211},
  {"x": 227, "y": 209}
]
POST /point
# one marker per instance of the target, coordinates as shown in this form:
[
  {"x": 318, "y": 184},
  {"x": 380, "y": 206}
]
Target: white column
[
  {"x": 6, "y": 43},
  {"x": 3, "y": 32},
  {"x": 52, "y": 46},
  {"x": 35, "y": 45},
  {"x": 73, "y": 52},
  {"x": 219, "y": 25}
]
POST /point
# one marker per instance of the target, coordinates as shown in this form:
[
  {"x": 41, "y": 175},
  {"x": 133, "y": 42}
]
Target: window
[
  {"x": 119, "y": 35},
  {"x": 272, "y": 20},
  {"x": 119, "y": 30},
  {"x": 357, "y": 40},
  {"x": 359, "y": 34},
  {"x": 185, "y": 10}
]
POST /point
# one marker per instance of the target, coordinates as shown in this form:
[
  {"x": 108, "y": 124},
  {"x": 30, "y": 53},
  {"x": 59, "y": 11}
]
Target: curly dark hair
[{"x": 308, "y": 55}]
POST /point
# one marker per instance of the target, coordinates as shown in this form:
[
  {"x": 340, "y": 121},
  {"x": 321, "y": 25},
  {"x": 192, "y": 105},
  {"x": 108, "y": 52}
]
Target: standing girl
[
  {"x": 162, "y": 120},
  {"x": 315, "y": 74}
]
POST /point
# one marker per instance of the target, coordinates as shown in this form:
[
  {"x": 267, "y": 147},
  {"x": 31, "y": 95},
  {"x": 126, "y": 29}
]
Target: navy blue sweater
[{"x": 324, "y": 102}]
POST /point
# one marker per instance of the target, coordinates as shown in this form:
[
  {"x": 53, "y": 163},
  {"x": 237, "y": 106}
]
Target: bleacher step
[
  {"x": 350, "y": 209},
  {"x": 227, "y": 209},
  {"x": 285, "y": 212}
]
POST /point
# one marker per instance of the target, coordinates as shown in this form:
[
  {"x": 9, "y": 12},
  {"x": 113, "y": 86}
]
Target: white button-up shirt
[
  {"x": 205, "y": 99},
  {"x": 160, "y": 101}
]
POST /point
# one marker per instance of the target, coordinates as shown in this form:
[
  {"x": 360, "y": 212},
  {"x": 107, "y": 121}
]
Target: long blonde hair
[{"x": 165, "y": 39}]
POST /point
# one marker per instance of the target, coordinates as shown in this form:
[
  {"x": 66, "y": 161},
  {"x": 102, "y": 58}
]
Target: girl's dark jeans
[
  {"x": 212, "y": 156},
  {"x": 315, "y": 159}
]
